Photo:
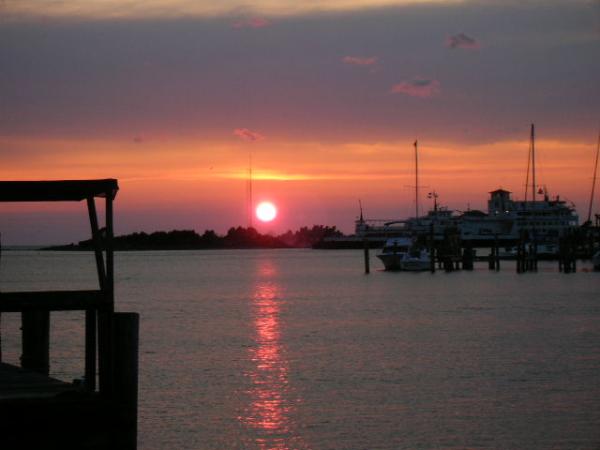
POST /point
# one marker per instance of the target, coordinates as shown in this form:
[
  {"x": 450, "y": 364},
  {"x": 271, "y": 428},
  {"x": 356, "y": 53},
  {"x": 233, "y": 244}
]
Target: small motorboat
[{"x": 403, "y": 253}]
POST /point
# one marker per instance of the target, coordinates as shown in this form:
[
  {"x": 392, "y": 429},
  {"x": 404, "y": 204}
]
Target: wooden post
[
  {"x": 35, "y": 329},
  {"x": 448, "y": 266},
  {"x": 0, "y": 312},
  {"x": 561, "y": 254},
  {"x": 432, "y": 259},
  {"x": 431, "y": 248},
  {"x": 496, "y": 253},
  {"x": 467, "y": 260},
  {"x": 90, "y": 349},
  {"x": 366, "y": 255},
  {"x": 126, "y": 338},
  {"x": 105, "y": 316}
]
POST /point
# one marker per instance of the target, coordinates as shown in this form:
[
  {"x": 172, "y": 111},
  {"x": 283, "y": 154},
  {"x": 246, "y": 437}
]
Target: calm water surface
[{"x": 298, "y": 349}]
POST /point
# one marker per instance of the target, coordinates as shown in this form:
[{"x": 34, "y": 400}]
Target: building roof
[
  {"x": 500, "y": 191},
  {"x": 52, "y": 191}
]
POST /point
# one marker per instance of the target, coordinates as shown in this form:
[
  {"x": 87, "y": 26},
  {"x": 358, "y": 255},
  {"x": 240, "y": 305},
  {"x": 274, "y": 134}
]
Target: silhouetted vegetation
[{"x": 236, "y": 237}]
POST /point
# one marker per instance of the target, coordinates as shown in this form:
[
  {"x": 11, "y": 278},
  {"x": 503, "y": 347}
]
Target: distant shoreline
[{"x": 236, "y": 238}]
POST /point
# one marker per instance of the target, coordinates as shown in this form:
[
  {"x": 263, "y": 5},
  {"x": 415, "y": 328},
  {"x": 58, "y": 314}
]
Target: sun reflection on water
[{"x": 271, "y": 401}]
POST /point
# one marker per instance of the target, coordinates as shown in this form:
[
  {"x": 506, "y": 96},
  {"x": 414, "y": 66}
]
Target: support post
[
  {"x": 0, "y": 312},
  {"x": 366, "y": 256},
  {"x": 126, "y": 338},
  {"x": 431, "y": 248},
  {"x": 90, "y": 349},
  {"x": 35, "y": 329},
  {"x": 496, "y": 254},
  {"x": 105, "y": 316},
  {"x": 467, "y": 259}
]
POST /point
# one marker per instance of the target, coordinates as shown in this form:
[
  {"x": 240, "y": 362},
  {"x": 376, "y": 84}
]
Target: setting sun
[{"x": 266, "y": 211}]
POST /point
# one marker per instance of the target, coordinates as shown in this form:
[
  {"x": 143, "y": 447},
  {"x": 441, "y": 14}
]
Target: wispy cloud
[
  {"x": 255, "y": 22},
  {"x": 418, "y": 87},
  {"x": 360, "y": 60},
  {"x": 248, "y": 135},
  {"x": 461, "y": 40},
  {"x": 115, "y": 9}
]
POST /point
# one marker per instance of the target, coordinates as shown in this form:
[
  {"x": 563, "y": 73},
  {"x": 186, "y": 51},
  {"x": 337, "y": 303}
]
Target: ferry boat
[{"x": 539, "y": 220}]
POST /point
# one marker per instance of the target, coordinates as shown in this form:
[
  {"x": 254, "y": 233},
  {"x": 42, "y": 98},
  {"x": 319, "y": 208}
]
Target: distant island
[{"x": 236, "y": 238}]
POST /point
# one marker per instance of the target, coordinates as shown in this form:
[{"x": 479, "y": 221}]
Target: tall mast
[
  {"x": 533, "y": 185},
  {"x": 589, "y": 217},
  {"x": 416, "y": 180},
  {"x": 249, "y": 191}
]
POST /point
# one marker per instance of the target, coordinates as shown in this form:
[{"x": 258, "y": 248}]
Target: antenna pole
[
  {"x": 528, "y": 170},
  {"x": 250, "y": 222},
  {"x": 416, "y": 180},
  {"x": 589, "y": 217},
  {"x": 533, "y": 185}
]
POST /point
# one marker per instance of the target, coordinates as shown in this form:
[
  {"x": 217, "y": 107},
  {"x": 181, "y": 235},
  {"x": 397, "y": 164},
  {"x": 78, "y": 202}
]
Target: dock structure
[{"x": 100, "y": 412}]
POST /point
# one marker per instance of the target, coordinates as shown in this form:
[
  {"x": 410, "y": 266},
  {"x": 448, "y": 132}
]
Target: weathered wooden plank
[
  {"x": 52, "y": 300},
  {"x": 63, "y": 190}
]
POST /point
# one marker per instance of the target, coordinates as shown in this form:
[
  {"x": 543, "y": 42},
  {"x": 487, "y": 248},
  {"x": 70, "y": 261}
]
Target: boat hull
[
  {"x": 391, "y": 261},
  {"x": 415, "y": 265},
  {"x": 401, "y": 262}
]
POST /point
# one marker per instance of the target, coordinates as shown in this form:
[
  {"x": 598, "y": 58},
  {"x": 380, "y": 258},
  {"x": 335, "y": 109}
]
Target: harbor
[{"x": 536, "y": 227}]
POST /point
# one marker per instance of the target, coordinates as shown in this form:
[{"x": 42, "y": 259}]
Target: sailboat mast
[
  {"x": 589, "y": 217},
  {"x": 533, "y": 184},
  {"x": 416, "y": 180}
]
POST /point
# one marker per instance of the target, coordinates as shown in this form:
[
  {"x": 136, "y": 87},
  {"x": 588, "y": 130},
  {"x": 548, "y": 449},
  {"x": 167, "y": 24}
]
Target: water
[{"x": 298, "y": 349}]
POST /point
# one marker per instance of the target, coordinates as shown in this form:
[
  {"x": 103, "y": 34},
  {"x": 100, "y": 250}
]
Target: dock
[{"x": 98, "y": 411}]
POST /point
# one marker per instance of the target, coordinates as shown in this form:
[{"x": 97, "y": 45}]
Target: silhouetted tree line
[{"x": 236, "y": 237}]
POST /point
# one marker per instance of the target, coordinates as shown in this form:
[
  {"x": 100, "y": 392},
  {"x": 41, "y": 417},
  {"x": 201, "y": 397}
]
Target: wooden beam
[
  {"x": 52, "y": 191},
  {"x": 52, "y": 301},
  {"x": 97, "y": 242}
]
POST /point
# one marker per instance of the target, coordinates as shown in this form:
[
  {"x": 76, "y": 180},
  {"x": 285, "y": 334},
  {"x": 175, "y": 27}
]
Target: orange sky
[{"x": 202, "y": 185}]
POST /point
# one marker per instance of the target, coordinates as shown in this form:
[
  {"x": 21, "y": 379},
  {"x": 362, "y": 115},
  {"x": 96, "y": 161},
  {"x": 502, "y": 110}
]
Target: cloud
[
  {"x": 461, "y": 40},
  {"x": 248, "y": 135},
  {"x": 359, "y": 60},
  {"x": 418, "y": 87},
  {"x": 255, "y": 22}
]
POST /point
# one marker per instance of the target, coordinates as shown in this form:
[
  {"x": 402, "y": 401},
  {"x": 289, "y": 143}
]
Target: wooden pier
[{"x": 100, "y": 412}]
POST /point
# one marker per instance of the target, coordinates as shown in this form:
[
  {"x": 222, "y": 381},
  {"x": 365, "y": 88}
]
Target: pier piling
[
  {"x": 35, "y": 341},
  {"x": 366, "y": 256},
  {"x": 126, "y": 337}
]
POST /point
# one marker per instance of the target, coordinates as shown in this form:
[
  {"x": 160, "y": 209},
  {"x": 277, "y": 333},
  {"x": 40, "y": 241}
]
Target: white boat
[
  {"x": 417, "y": 259},
  {"x": 402, "y": 253},
  {"x": 394, "y": 251}
]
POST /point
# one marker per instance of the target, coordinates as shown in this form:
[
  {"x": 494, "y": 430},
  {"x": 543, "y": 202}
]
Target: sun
[{"x": 266, "y": 211}]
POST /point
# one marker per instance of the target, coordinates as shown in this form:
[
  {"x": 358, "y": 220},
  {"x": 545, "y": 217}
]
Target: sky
[{"x": 172, "y": 98}]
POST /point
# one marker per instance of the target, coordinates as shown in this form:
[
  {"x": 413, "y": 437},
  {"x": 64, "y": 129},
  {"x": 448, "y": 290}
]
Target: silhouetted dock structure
[
  {"x": 100, "y": 412},
  {"x": 451, "y": 253}
]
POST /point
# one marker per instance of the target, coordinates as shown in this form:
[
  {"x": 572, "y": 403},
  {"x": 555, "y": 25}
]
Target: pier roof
[{"x": 63, "y": 190}]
